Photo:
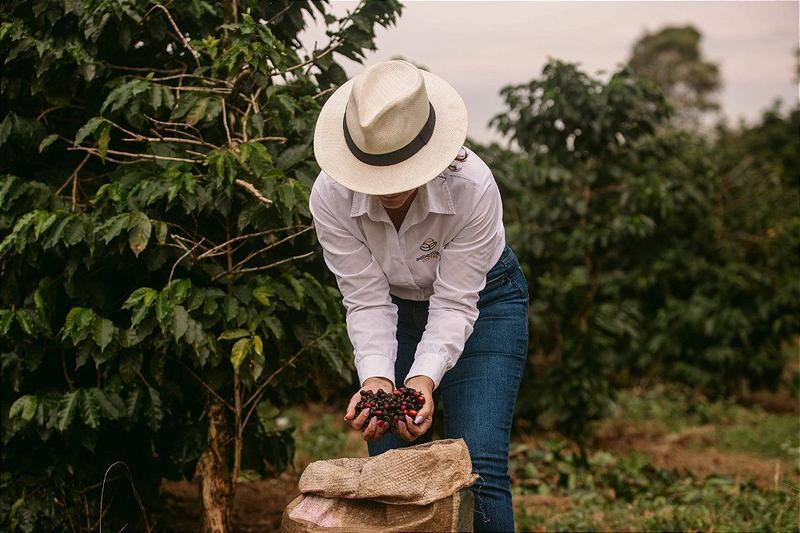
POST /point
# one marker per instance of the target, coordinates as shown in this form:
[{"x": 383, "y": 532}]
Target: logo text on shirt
[{"x": 428, "y": 245}]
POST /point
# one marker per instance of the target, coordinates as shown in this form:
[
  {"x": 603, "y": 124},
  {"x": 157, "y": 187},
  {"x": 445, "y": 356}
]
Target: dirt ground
[
  {"x": 259, "y": 505},
  {"x": 687, "y": 452}
]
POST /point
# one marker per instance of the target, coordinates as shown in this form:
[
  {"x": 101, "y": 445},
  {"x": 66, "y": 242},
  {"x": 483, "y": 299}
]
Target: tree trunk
[{"x": 215, "y": 477}]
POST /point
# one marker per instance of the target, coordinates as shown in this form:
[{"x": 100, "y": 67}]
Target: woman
[{"x": 410, "y": 223}]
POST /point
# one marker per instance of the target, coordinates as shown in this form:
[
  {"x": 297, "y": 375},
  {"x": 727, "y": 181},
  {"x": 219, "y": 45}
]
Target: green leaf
[
  {"x": 161, "y": 231},
  {"x": 103, "y": 140},
  {"x": 258, "y": 345},
  {"x": 142, "y": 300},
  {"x": 163, "y": 308},
  {"x": 6, "y": 317},
  {"x": 180, "y": 321},
  {"x": 179, "y": 290},
  {"x": 74, "y": 231},
  {"x": 198, "y": 112},
  {"x": 257, "y": 365},
  {"x": 24, "y": 407},
  {"x": 66, "y": 410},
  {"x": 143, "y": 295},
  {"x": 78, "y": 323},
  {"x": 275, "y": 326},
  {"x": 230, "y": 306},
  {"x": 262, "y": 294},
  {"x": 239, "y": 353},
  {"x": 267, "y": 416},
  {"x": 140, "y": 228},
  {"x": 132, "y": 403},
  {"x": 43, "y": 222},
  {"x": 87, "y": 129},
  {"x": 103, "y": 332},
  {"x": 155, "y": 97},
  {"x": 25, "y": 321},
  {"x": 130, "y": 365},
  {"x": 112, "y": 227},
  {"x": 155, "y": 412},
  {"x": 107, "y": 407},
  {"x": 47, "y": 141},
  {"x": 233, "y": 334},
  {"x": 90, "y": 409},
  {"x": 292, "y": 156}
]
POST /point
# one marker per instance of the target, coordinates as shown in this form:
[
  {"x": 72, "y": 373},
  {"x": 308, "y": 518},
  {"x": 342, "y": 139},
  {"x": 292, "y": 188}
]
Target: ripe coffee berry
[{"x": 391, "y": 408}]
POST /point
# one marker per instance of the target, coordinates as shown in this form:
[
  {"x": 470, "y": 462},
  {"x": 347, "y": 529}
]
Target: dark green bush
[{"x": 650, "y": 251}]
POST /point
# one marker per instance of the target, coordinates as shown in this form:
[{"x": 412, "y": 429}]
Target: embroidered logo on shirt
[{"x": 428, "y": 245}]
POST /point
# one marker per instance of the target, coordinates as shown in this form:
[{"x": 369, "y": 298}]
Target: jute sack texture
[{"x": 418, "y": 488}]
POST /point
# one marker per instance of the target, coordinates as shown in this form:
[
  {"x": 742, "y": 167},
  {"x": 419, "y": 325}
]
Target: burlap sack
[{"x": 419, "y": 488}]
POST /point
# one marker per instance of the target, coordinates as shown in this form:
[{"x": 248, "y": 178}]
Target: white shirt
[{"x": 450, "y": 238}]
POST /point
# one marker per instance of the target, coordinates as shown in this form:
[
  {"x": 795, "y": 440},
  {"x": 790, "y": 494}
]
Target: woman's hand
[
  {"x": 376, "y": 429},
  {"x": 412, "y": 429}
]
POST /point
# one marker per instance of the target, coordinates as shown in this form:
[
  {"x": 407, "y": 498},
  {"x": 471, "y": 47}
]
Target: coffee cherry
[{"x": 390, "y": 408}]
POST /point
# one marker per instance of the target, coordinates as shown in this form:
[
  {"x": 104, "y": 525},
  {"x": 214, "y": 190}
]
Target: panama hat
[{"x": 392, "y": 128}]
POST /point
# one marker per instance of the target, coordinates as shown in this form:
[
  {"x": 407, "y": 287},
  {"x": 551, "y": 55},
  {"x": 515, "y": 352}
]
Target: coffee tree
[
  {"x": 161, "y": 298},
  {"x": 576, "y": 212},
  {"x": 651, "y": 252}
]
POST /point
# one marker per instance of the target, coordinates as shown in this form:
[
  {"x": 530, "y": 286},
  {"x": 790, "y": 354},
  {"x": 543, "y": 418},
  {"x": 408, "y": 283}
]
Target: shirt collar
[{"x": 434, "y": 197}]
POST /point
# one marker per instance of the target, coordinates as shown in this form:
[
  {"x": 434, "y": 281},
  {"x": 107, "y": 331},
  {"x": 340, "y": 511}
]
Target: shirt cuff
[
  {"x": 428, "y": 364},
  {"x": 371, "y": 366}
]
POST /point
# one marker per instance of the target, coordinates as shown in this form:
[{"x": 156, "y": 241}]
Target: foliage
[
  {"x": 153, "y": 240},
  {"x": 650, "y": 251},
  {"x": 673, "y": 59}
]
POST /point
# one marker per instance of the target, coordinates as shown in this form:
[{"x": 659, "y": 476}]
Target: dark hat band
[{"x": 399, "y": 155}]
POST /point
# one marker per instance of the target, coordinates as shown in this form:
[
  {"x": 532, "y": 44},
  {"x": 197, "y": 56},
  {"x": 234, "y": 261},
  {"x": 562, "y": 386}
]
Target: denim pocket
[
  {"x": 520, "y": 283},
  {"x": 493, "y": 279}
]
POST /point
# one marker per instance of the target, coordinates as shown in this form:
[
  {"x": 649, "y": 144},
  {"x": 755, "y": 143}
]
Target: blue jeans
[{"x": 479, "y": 393}]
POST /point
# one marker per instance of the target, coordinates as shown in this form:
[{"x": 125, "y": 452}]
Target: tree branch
[
  {"x": 261, "y": 388},
  {"x": 265, "y": 267},
  {"x": 182, "y": 37},
  {"x": 252, "y": 190}
]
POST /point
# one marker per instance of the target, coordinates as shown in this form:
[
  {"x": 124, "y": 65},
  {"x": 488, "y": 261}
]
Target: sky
[{"x": 479, "y": 47}]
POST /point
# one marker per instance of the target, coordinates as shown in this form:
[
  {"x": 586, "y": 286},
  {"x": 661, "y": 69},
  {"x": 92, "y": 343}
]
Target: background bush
[{"x": 651, "y": 251}]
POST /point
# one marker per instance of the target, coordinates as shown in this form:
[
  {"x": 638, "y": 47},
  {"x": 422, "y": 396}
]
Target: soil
[
  {"x": 259, "y": 505},
  {"x": 688, "y": 452}
]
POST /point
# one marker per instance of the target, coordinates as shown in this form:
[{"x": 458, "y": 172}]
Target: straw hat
[{"x": 390, "y": 129}]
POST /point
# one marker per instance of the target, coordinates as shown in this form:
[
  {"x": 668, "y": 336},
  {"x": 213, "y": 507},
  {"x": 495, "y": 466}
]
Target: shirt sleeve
[
  {"x": 460, "y": 276},
  {"x": 371, "y": 315}
]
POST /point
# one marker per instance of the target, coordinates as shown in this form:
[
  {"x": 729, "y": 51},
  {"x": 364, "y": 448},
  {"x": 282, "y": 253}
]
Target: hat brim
[{"x": 336, "y": 160}]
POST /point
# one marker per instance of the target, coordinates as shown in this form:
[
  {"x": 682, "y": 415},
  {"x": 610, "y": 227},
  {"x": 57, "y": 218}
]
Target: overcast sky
[{"x": 481, "y": 46}]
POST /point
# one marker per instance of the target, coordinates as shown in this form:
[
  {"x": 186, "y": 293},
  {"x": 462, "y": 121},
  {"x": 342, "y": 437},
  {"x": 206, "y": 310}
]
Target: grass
[
  {"x": 553, "y": 491},
  {"x": 621, "y": 488},
  {"x": 716, "y": 505},
  {"x": 735, "y": 427}
]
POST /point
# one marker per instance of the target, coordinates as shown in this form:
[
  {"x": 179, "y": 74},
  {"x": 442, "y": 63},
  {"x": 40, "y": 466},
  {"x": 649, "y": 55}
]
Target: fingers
[
  {"x": 358, "y": 423},
  {"x": 351, "y": 408},
  {"x": 425, "y": 413},
  {"x": 383, "y": 427},
  {"x": 417, "y": 430},
  {"x": 402, "y": 431},
  {"x": 374, "y": 429}
]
